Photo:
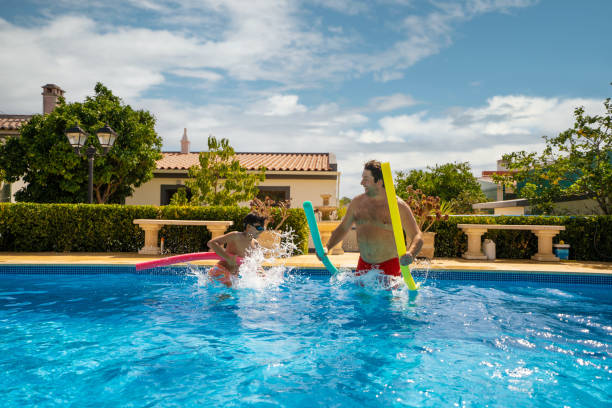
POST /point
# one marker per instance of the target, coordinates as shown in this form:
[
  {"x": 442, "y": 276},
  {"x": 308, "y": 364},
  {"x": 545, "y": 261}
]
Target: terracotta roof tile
[
  {"x": 487, "y": 173},
  {"x": 13, "y": 122},
  {"x": 252, "y": 161}
]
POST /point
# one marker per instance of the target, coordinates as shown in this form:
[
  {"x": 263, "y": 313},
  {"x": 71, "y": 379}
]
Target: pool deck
[{"x": 348, "y": 260}]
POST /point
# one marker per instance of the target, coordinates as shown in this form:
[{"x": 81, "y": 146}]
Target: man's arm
[
  {"x": 412, "y": 230},
  {"x": 342, "y": 229}
]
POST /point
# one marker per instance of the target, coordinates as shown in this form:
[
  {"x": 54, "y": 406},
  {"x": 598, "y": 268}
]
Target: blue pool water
[{"x": 171, "y": 341}]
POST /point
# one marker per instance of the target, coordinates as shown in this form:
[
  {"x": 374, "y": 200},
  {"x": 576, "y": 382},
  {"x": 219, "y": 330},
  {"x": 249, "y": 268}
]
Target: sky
[{"x": 413, "y": 82}]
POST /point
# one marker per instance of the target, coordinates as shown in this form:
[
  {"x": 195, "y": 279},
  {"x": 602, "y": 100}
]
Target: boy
[{"x": 234, "y": 245}]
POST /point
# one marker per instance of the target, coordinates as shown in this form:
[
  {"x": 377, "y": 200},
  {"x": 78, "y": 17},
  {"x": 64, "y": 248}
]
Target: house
[
  {"x": 290, "y": 176},
  {"x": 10, "y": 124},
  {"x": 297, "y": 177},
  {"x": 508, "y": 202}
]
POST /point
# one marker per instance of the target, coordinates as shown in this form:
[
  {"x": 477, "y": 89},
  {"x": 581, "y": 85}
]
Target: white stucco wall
[
  {"x": 15, "y": 187},
  {"x": 509, "y": 211},
  {"x": 150, "y": 192},
  {"x": 301, "y": 189}
]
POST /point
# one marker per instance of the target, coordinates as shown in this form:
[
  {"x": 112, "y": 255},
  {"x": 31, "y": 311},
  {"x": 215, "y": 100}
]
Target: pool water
[{"x": 172, "y": 341}]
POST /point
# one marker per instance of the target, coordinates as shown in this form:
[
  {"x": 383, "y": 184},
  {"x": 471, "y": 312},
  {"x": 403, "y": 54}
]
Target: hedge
[
  {"x": 590, "y": 237},
  {"x": 29, "y": 227}
]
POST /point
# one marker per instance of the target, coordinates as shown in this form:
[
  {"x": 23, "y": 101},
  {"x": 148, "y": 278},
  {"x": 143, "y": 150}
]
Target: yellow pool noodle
[{"x": 396, "y": 223}]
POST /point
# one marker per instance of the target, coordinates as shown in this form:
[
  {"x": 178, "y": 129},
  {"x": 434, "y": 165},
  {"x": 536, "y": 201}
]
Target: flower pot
[
  {"x": 428, "y": 245},
  {"x": 562, "y": 251}
]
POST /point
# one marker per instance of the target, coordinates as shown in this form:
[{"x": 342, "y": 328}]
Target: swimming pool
[{"x": 125, "y": 339}]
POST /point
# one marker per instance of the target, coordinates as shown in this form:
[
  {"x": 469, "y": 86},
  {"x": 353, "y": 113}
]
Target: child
[{"x": 233, "y": 245}]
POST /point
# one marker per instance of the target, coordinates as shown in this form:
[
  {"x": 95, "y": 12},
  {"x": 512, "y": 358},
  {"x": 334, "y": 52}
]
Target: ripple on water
[{"x": 302, "y": 341}]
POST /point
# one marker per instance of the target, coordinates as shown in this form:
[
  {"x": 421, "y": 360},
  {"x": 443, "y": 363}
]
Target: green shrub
[
  {"x": 590, "y": 237},
  {"x": 29, "y": 227},
  {"x": 179, "y": 239},
  {"x": 71, "y": 227}
]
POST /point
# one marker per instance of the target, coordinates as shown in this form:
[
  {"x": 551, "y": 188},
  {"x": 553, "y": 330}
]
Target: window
[
  {"x": 276, "y": 193},
  {"x": 168, "y": 190}
]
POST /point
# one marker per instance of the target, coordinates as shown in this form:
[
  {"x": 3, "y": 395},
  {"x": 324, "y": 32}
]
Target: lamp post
[{"x": 77, "y": 138}]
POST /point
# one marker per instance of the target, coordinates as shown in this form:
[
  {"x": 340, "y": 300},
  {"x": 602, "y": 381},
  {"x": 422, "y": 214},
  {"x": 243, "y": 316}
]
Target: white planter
[{"x": 428, "y": 245}]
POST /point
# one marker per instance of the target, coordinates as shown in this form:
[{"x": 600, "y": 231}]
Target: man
[{"x": 370, "y": 213}]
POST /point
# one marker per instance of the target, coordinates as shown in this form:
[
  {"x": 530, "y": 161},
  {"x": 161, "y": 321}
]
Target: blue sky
[{"x": 412, "y": 82}]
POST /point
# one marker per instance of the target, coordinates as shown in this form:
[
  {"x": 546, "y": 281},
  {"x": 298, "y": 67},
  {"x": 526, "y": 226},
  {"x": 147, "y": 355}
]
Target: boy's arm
[
  {"x": 218, "y": 246},
  {"x": 412, "y": 230}
]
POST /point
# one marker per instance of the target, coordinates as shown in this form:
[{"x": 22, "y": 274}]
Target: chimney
[
  {"x": 185, "y": 143},
  {"x": 51, "y": 94}
]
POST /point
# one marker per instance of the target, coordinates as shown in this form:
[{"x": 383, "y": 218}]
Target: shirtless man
[
  {"x": 234, "y": 245},
  {"x": 370, "y": 213}
]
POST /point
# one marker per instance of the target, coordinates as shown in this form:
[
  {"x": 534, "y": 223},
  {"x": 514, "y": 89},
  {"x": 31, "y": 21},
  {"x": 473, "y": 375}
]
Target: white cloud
[
  {"x": 386, "y": 76},
  {"x": 262, "y": 41},
  {"x": 392, "y": 102},
  {"x": 376, "y": 136},
  {"x": 200, "y": 74},
  {"x": 407, "y": 141},
  {"x": 504, "y": 119},
  {"x": 281, "y": 105},
  {"x": 73, "y": 52},
  {"x": 208, "y": 40},
  {"x": 248, "y": 127},
  {"x": 350, "y": 7},
  {"x": 480, "y": 135}
]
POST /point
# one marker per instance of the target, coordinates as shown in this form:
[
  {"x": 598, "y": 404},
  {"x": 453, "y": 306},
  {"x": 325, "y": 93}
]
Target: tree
[
  {"x": 452, "y": 182},
  {"x": 578, "y": 162},
  {"x": 42, "y": 155},
  {"x": 344, "y": 201},
  {"x": 219, "y": 179}
]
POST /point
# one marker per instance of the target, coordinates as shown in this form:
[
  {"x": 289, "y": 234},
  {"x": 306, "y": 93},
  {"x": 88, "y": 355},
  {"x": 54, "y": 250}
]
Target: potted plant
[
  {"x": 427, "y": 210},
  {"x": 270, "y": 237}
]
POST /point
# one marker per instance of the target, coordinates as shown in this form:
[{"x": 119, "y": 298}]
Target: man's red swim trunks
[{"x": 389, "y": 267}]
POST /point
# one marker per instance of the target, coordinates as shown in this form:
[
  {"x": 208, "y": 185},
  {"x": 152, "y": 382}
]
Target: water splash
[
  {"x": 376, "y": 280},
  {"x": 419, "y": 267},
  {"x": 251, "y": 273}
]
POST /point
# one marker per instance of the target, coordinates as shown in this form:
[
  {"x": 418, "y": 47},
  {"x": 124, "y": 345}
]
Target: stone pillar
[
  {"x": 474, "y": 250},
  {"x": 545, "y": 246},
  {"x": 216, "y": 230},
  {"x": 151, "y": 233},
  {"x": 51, "y": 94}
]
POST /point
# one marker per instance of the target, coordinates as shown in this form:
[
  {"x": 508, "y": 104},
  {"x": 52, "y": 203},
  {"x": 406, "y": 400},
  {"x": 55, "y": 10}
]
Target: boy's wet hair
[
  {"x": 252, "y": 219},
  {"x": 375, "y": 169}
]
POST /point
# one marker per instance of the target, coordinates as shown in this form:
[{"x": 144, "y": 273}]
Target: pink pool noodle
[{"x": 180, "y": 258}]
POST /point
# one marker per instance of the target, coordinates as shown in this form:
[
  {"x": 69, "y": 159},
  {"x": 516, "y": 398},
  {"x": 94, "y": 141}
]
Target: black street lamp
[{"x": 77, "y": 138}]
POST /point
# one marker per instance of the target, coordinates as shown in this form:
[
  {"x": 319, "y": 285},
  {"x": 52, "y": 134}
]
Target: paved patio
[{"x": 349, "y": 260}]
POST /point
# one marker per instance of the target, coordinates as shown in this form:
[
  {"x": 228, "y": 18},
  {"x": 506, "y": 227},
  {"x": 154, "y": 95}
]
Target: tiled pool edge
[{"x": 434, "y": 274}]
